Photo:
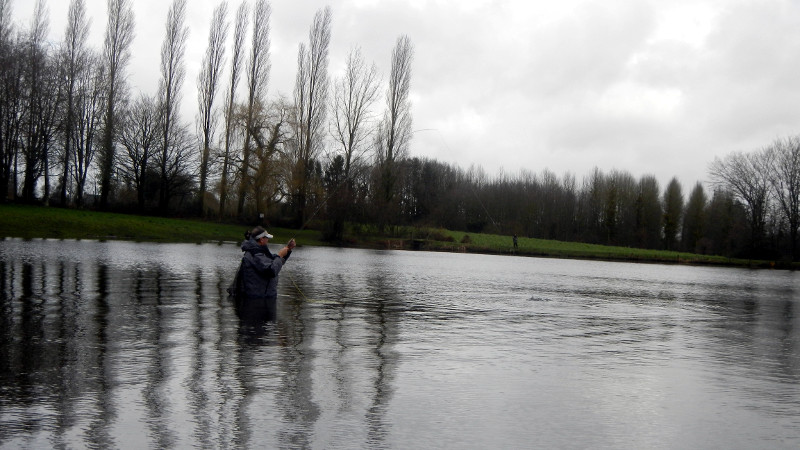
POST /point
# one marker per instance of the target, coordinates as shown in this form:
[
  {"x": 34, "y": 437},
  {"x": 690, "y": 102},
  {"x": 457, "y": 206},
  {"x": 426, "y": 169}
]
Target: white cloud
[
  {"x": 630, "y": 100},
  {"x": 686, "y": 22}
]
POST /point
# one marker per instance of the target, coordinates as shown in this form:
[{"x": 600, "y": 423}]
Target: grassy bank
[
  {"x": 58, "y": 223},
  {"x": 444, "y": 240}
]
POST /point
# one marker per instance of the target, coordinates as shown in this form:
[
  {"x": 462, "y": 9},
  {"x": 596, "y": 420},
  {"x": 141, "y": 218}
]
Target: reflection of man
[{"x": 259, "y": 275}]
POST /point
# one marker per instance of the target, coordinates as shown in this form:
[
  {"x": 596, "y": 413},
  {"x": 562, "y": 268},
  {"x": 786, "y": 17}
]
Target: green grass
[
  {"x": 57, "y": 223},
  {"x": 592, "y": 251},
  {"x": 445, "y": 240}
]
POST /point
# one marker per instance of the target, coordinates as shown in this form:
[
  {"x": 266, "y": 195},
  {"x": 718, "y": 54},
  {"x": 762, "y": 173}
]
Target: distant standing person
[
  {"x": 515, "y": 242},
  {"x": 259, "y": 275}
]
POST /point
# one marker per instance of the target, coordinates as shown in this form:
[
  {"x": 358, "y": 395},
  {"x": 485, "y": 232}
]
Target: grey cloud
[{"x": 565, "y": 85}]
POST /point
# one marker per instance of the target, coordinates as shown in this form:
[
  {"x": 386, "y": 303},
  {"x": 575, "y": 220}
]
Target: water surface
[{"x": 118, "y": 344}]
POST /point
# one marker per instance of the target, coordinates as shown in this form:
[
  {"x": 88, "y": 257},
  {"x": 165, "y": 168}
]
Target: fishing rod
[
  {"x": 347, "y": 178},
  {"x": 324, "y": 201},
  {"x": 310, "y": 218}
]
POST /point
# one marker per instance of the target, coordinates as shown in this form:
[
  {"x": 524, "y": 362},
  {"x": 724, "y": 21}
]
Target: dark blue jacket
[{"x": 259, "y": 273}]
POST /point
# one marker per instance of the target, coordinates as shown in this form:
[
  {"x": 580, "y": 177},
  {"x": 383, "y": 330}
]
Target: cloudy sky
[{"x": 655, "y": 87}]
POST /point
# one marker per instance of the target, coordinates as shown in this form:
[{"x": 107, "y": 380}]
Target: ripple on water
[{"x": 392, "y": 349}]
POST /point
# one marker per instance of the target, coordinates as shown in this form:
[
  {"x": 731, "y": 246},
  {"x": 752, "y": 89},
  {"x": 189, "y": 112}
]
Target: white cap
[{"x": 263, "y": 235}]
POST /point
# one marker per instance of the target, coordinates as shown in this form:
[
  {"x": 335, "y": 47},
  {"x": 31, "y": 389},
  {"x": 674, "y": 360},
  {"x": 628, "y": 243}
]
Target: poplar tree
[
  {"x": 230, "y": 103},
  {"x": 648, "y": 213},
  {"x": 694, "y": 219},
  {"x": 173, "y": 71},
  {"x": 74, "y": 59},
  {"x": 673, "y": 209},
  {"x": 89, "y": 107},
  {"x": 311, "y": 100},
  {"x": 116, "y": 56},
  {"x": 10, "y": 105},
  {"x": 41, "y": 96},
  {"x": 257, "y": 78},
  {"x": 394, "y": 131},
  {"x": 207, "y": 84}
]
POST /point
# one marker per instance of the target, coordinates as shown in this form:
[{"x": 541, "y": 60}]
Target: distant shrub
[
  {"x": 466, "y": 239},
  {"x": 439, "y": 236}
]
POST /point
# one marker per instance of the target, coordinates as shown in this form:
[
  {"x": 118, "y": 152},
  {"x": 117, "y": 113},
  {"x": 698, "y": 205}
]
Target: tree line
[
  {"x": 74, "y": 134},
  {"x": 337, "y": 152}
]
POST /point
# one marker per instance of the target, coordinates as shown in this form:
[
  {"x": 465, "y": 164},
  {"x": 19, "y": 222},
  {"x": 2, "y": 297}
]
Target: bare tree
[
  {"x": 139, "y": 137},
  {"x": 41, "y": 102},
  {"x": 179, "y": 165},
  {"x": 257, "y": 77},
  {"x": 746, "y": 176},
  {"x": 311, "y": 99},
  {"x": 6, "y": 28},
  {"x": 568, "y": 210},
  {"x": 591, "y": 206},
  {"x": 11, "y": 61},
  {"x": 619, "y": 213},
  {"x": 354, "y": 96},
  {"x": 785, "y": 180},
  {"x": 88, "y": 109},
  {"x": 270, "y": 132},
  {"x": 73, "y": 63},
  {"x": 173, "y": 71},
  {"x": 394, "y": 131},
  {"x": 116, "y": 56},
  {"x": 208, "y": 82},
  {"x": 236, "y": 62}
]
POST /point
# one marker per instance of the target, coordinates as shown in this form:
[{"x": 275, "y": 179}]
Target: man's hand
[{"x": 284, "y": 252}]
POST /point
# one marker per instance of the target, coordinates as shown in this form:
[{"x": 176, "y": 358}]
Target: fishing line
[
  {"x": 484, "y": 208},
  {"x": 325, "y": 200},
  {"x": 441, "y": 137},
  {"x": 316, "y": 211},
  {"x": 319, "y": 207}
]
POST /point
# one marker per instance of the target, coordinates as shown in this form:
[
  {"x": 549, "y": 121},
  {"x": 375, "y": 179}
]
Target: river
[{"x": 136, "y": 345}]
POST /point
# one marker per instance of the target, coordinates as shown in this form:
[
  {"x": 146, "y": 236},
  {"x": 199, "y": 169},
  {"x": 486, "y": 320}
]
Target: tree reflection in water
[{"x": 115, "y": 344}]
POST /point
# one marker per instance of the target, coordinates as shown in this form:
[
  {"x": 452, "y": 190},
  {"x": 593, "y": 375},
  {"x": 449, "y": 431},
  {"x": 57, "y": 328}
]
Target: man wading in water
[{"x": 259, "y": 276}]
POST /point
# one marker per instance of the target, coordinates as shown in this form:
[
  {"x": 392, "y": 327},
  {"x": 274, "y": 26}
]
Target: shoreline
[{"x": 40, "y": 222}]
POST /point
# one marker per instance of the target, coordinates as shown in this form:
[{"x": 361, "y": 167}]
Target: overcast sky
[{"x": 655, "y": 87}]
